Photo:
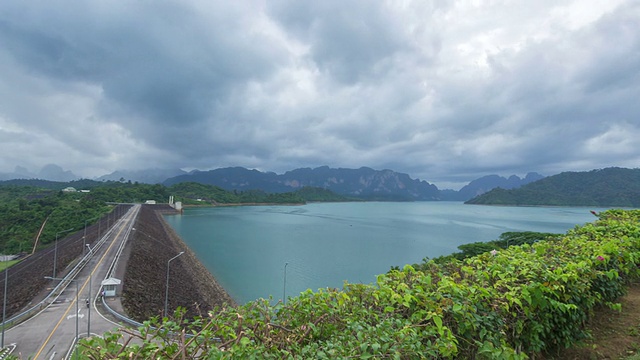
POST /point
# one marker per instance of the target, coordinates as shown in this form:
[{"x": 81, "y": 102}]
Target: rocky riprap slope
[{"x": 191, "y": 285}]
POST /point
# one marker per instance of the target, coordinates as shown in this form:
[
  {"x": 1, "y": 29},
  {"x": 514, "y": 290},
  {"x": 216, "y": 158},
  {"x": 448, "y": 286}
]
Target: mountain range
[
  {"x": 362, "y": 183},
  {"x": 601, "y": 187},
  {"x": 609, "y": 187},
  {"x": 147, "y": 176},
  {"x": 50, "y": 172},
  {"x": 487, "y": 183}
]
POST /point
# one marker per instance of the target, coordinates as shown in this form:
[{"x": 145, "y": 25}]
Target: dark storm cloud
[
  {"x": 442, "y": 91},
  {"x": 172, "y": 65}
]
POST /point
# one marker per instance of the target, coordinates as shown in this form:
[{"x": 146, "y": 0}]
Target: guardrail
[
  {"x": 110, "y": 273},
  {"x": 137, "y": 324},
  {"x": 120, "y": 316},
  {"x": 58, "y": 289}
]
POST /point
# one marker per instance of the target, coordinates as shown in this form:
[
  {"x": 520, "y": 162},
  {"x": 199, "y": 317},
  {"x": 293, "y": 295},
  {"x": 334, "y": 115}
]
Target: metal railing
[
  {"x": 120, "y": 316},
  {"x": 110, "y": 273},
  {"x": 58, "y": 289}
]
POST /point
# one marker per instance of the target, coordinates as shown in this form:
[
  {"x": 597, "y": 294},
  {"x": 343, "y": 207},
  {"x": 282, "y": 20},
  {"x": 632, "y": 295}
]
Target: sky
[{"x": 445, "y": 91}]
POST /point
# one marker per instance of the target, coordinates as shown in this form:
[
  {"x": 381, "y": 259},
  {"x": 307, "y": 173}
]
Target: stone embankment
[{"x": 150, "y": 247}]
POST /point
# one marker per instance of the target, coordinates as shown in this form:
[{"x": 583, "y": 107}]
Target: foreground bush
[{"x": 507, "y": 304}]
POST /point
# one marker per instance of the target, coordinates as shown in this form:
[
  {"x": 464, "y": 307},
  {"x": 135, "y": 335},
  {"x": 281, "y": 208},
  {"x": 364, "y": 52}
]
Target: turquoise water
[{"x": 246, "y": 247}]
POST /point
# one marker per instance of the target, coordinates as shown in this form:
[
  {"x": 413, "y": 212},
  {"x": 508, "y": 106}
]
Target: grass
[{"x": 6, "y": 264}]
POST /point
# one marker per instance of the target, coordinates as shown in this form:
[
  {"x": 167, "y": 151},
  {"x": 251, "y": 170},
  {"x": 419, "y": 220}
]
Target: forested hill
[
  {"x": 363, "y": 183},
  {"x": 604, "y": 187}
]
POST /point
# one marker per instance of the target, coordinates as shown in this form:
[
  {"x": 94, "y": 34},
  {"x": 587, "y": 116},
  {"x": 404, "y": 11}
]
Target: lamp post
[
  {"x": 4, "y": 304},
  {"x": 284, "y": 288},
  {"x": 89, "y": 300},
  {"x": 166, "y": 289},
  {"x": 77, "y": 309},
  {"x": 84, "y": 237},
  {"x": 55, "y": 251}
]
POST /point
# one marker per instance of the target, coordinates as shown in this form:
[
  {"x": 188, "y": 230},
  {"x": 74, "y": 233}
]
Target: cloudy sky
[{"x": 446, "y": 91}]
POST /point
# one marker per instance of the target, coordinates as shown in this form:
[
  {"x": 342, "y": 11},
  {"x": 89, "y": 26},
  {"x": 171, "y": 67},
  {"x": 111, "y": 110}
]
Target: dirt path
[{"x": 616, "y": 334}]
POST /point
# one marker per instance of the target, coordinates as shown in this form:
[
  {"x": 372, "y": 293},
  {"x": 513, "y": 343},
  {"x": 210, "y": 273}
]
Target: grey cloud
[
  {"x": 350, "y": 41},
  {"x": 171, "y": 65},
  {"x": 285, "y": 84},
  {"x": 546, "y": 90}
]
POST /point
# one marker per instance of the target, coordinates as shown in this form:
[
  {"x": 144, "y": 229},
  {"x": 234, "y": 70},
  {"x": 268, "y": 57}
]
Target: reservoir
[{"x": 268, "y": 251}]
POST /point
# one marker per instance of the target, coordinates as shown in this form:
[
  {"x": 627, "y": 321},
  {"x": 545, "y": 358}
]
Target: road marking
[
  {"x": 81, "y": 316},
  {"x": 79, "y": 291},
  {"x": 52, "y": 332}
]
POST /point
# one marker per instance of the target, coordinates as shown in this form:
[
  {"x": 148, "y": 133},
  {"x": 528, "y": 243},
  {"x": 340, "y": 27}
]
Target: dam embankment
[{"x": 146, "y": 256}]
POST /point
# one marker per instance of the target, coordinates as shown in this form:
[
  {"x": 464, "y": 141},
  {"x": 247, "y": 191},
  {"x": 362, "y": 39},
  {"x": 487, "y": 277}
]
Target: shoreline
[
  {"x": 200, "y": 268},
  {"x": 240, "y": 204},
  {"x": 152, "y": 246}
]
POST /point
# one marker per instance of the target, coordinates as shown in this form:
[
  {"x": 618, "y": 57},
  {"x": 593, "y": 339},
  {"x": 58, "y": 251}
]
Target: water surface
[{"x": 246, "y": 247}]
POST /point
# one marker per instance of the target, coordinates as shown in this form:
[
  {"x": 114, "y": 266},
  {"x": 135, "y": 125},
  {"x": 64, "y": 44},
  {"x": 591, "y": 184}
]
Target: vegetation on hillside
[
  {"x": 192, "y": 193},
  {"x": 24, "y": 214},
  {"x": 506, "y": 239},
  {"x": 316, "y": 194},
  {"x": 510, "y": 304},
  {"x": 609, "y": 187},
  {"x": 26, "y": 278}
]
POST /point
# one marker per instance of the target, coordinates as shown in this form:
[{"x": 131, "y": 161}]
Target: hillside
[
  {"x": 487, "y": 183},
  {"x": 26, "y": 278},
  {"x": 363, "y": 183},
  {"x": 615, "y": 187},
  {"x": 147, "y": 176}
]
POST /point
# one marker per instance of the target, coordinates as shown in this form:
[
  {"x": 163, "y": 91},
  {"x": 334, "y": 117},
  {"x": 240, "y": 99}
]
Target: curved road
[{"x": 51, "y": 333}]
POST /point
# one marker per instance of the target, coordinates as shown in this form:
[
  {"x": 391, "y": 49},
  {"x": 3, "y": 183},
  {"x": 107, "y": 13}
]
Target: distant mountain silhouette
[
  {"x": 602, "y": 187},
  {"x": 147, "y": 176},
  {"x": 56, "y": 173},
  {"x": 18, "y": 173},
  {"x": 488, "y": 183},
  {"x": 49, "y": 172},
  {"x": 364, "y": 183}
]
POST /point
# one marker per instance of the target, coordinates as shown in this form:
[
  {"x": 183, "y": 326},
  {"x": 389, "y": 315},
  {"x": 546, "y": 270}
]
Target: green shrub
[{"x": 508, "y": 304}]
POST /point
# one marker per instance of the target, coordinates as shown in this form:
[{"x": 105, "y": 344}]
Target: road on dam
[{"x": 51, "y": 333}]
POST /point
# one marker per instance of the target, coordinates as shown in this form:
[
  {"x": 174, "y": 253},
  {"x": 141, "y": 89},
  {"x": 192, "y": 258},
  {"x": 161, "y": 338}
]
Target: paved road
[{"x": 51, "y": 333}]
